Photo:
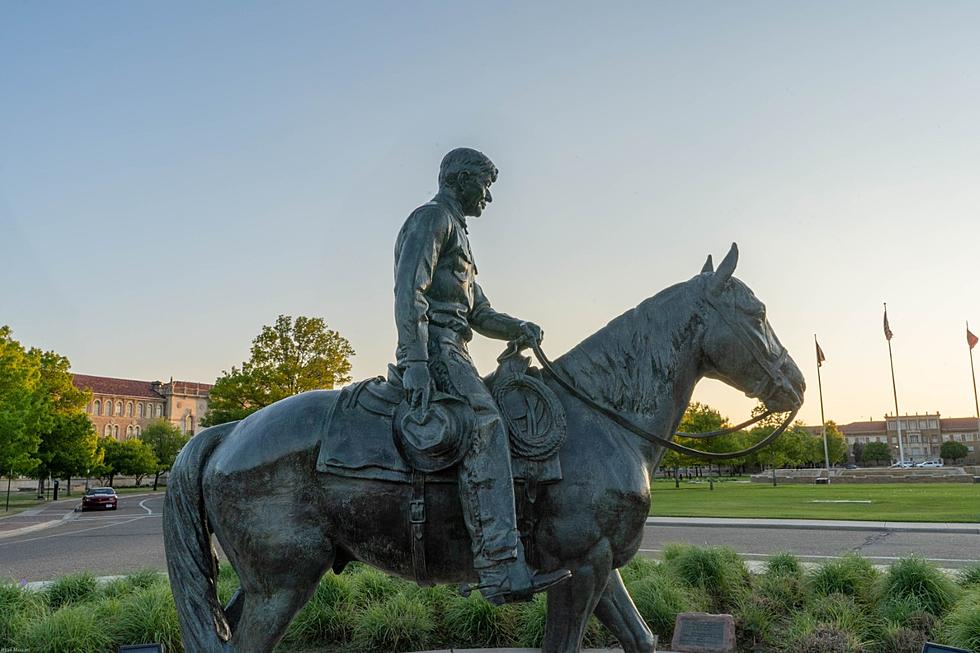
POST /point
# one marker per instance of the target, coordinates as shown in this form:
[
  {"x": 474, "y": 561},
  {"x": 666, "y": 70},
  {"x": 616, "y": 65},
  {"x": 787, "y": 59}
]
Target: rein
[{"x": 656, "y": 439}]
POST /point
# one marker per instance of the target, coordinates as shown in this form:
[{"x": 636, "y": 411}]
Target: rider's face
[{"x": 474, "y": 192}]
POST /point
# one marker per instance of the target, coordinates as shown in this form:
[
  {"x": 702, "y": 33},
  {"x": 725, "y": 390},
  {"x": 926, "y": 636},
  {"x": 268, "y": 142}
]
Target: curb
[{"x": 817, "y": 525}]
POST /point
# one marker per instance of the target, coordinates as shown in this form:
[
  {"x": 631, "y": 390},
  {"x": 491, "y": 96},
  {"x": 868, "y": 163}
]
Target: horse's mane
[{"x": 628, "y": 363}]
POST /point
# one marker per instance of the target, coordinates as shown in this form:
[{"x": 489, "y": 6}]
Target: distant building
[
  {"x": 122, "y": 408},
  {"x": 922, "y": 435}
]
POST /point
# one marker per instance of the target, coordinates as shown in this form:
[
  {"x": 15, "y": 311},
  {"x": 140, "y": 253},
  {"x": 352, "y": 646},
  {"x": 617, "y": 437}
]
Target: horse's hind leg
[
  {"x": 618, "y": 613},
  {"x": 265, "y": 617}
]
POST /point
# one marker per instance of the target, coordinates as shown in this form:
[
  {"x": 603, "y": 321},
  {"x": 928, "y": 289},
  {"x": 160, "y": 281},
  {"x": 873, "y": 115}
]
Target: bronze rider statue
[{"x": 438, "y": 305}]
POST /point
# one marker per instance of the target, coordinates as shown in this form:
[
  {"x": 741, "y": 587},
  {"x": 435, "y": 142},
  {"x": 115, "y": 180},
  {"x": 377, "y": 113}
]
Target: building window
[
  {"x": 129, "y": 431},
  {"x": 98, "y": 407},
  {"x": 107, "y": 431},
  {"x": 115, "y": 432},
  {"x": 119, "y": 408},
  {"x": 139, "y": 410},
  {"x": 137, "y": 431},
  {"x": 129, "y": 409},
  {"x": 159, "y": 410}
]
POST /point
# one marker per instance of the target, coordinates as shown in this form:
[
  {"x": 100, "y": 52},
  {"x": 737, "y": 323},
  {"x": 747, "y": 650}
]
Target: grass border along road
[{"x": 925, "y": 502}]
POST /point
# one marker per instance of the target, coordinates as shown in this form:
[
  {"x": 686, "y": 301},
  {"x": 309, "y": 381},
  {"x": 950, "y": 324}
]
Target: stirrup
[{"x": 501, "y": 593}]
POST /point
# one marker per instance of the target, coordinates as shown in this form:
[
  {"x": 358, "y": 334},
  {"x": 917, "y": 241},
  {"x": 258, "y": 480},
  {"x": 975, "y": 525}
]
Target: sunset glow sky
[{"x": 175, "y": 175}]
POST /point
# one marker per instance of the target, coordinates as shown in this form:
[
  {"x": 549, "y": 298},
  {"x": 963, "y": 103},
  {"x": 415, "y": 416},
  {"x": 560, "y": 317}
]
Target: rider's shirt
[{"x": 435, "y": 282}]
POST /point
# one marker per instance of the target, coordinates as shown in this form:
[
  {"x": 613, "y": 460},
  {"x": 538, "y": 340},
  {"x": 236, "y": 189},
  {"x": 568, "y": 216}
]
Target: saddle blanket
[{"x": 357, "y": 438}]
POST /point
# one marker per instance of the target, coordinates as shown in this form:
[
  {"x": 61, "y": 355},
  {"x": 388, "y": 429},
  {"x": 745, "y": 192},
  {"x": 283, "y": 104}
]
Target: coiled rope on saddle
[{"x": 656, "y": 439}]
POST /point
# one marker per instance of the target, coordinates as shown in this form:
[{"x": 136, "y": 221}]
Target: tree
[
  {"x": 19, "y": 376},
  {"x": 875, "y": 452},
  {"x": 68, "y": 439},
  {"x": 951, "y": 450},
  {"x": 857, "y": 449},
  {"x": 836, "y": 443},
  {"x": 166, "y": 440},
  {"x": 286, "y": 358},
  {"x": 128, "y": 458},
  {"x": 698, "y": 418}
]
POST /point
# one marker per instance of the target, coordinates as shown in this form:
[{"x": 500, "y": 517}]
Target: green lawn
[{"x": 948, "y": 502}]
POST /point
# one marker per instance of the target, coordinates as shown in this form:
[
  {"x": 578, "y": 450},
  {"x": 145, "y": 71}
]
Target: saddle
[{"x": 366, "y": 433}]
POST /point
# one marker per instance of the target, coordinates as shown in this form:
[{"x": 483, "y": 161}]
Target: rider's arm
[
  {"x": 416, "y": 254},
  {"x": 489, "y": 322}
]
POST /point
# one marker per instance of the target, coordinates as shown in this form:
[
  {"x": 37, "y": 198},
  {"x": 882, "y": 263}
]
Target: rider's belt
[{"x": 416, "y": 528}]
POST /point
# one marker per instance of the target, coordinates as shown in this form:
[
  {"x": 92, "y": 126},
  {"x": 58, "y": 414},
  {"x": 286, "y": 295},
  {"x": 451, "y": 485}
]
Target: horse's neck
[{"x": 644, "y": 364}]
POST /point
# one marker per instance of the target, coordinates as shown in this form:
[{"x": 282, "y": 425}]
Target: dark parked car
[
  {"x": 100, "y": 498},
  {"x": 851, "y": 466}
]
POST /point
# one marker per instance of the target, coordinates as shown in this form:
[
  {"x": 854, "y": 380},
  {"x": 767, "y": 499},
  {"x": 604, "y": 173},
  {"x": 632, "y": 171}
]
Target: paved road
[{"x": 130, "y": 539}]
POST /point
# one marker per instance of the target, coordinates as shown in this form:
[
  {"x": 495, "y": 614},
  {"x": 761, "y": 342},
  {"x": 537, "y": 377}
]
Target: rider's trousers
[{"x": 486, "y": 489}]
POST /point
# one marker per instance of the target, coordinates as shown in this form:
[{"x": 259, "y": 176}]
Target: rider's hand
[
  {"x": 418, "y": 385},
  {"x": 531, "y": 333}
]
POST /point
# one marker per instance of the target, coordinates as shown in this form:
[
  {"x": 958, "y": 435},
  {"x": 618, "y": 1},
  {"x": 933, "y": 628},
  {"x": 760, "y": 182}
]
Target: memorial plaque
[
  {"x": 699, "y": 632},
  {"x": 930, "y": 647}
]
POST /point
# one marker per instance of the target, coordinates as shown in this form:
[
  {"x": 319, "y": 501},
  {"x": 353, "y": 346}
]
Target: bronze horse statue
[{"x": 282, "y": 524}]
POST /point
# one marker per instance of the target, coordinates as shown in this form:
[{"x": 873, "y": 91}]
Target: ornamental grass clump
[
  {"x": 19, "y": 607},
  {"x": 147, "y": 616},
  {"x": 399, "y": 623},
  {"x": 719, "y": 572},
  {"x": 851, "y": 575},
  {"x": 961, "y": 626},
  {"x": 915, "y": 578},
  {"x": 227, "y": 582},
  {"x": 808, "y": 634},
  {"x": 660, "y": 596},
  {"x": 74, "y": 627},
  {"x": 328, "y": 617},
  {"x": 369, "y": 586},
  {"x": 784, "y": 564},
  {"x": 969, "y": 577},
  {"x": 475, "y": 623},
  {"x": 75, "y": 588}
]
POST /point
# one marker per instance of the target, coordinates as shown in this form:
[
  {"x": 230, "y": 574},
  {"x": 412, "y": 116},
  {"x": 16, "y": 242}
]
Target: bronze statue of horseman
[{"x": 303, "y": 486}]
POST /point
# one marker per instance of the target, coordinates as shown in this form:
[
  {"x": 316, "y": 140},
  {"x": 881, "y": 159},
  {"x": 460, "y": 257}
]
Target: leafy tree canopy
[
  {"x": 19, "y": 376},
  {"x": 166, "y": 441},
  {"x": 875, "y": 452},
  {"x": 128, "y": 458},
  {"x": 951, "y": 450},
  {"x": 288, "y": 357}
]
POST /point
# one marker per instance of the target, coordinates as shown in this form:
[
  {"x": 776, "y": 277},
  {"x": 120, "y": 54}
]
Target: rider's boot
[{"x": 509, "y": 581}]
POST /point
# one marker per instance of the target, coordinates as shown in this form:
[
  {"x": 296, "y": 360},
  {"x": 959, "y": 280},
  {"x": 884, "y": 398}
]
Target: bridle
[{"x": 775, "y": 379}]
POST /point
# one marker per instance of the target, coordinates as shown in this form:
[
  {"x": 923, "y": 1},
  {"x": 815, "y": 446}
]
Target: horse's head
[{"x": 740, "y": 347}]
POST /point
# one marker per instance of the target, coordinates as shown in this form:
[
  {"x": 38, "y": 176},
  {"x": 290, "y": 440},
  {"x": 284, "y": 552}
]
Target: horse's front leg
[
  {"x": 570, "y": 604},
  {"x": 618, "y": 613}
]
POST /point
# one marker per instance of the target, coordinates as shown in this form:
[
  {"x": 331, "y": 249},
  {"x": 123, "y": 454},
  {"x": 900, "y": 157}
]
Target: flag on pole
[
  {"x": 820, "y": 357},
  {"x": 888, "y": 331},
  {"x": 971, "y": 339}
]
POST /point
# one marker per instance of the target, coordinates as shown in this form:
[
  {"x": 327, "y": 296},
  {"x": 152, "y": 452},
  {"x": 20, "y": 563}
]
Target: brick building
[
  {"x": 922, "y": 435},
  {"x": 122, "y": 408}
]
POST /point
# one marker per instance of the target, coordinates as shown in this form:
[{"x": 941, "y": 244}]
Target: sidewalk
[
  {"x": 819, "y": 524},
  {"x": 39, "y": 517}
]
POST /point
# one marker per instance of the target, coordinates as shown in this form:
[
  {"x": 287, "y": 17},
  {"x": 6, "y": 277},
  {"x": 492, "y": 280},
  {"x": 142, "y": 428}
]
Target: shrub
[
  {"x": 717, "y": 571},
  {"x": 961, "y": 627},
  {"x": 530, "y": 631},
  {"x": 918, "y": 579},
  {"x": 896, "y": 638},
  {"x": 75, "y": 588},
  {"x": 755, "y": 623},
  {"x": 74, "y": 628},
  {"x": 807, "y": 634},
  {"x": 327, "y": 617},
  {"x": 147, "y": 616},
  {"x": 780, "y": 593},
  {"x": 851, "y": 575},
  {"x": 844, "y": 613},
  {"x": 401, "y": 623},
  {"x": 637, "y": 569}
]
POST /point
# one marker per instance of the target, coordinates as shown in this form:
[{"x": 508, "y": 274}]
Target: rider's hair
[{"x": 464, "y": 159}]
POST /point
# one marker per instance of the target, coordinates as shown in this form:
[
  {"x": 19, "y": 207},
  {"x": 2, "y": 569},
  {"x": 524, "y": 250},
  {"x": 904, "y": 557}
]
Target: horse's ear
[
  {"x": 709, "y": 265},
  {"x": 725, "y": 270}
]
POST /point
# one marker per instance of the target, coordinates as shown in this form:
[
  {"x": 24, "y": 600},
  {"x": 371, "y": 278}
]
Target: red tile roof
[
  {"x": 110, "y": 386},
  {"x": 958, "y": 423},
  {"x": 862, "y": 427}
]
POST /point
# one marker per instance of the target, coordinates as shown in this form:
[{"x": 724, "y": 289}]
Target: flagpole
[
  {"x": 898, "y": 422},
  {"x": 976, "y": 404},
  {"x": 823, "y": 421}
]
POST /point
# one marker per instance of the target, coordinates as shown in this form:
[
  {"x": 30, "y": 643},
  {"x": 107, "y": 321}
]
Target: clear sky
[{"x": 175, "y": 175}]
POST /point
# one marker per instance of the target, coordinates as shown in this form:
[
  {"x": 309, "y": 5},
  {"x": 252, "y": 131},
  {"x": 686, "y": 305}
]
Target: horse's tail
[{"x": 191, "y": 559}]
